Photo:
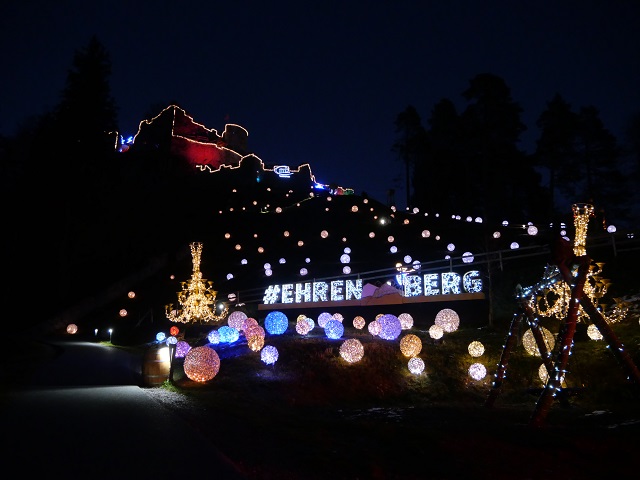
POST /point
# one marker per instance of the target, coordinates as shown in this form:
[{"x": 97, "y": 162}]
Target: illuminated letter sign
[
  {"x": 282, "y": 171},
  {"x": 429, "y": 284}
]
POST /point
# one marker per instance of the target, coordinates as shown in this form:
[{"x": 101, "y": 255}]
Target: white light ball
[
  {"x": 448, "y": 319},
  {"x": 352, "y": 350},
  {"x": 477, "y": 371},
  {"x": 436, "y": 332},
  {"x": 476, "y": 348},
  {"x": 416, "y": 365},
  {"x": 594, "y": 333},
  {"x": 269, "y": 354}
]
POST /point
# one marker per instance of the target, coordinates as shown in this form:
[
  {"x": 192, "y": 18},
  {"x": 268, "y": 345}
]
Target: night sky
[{"x": 323, "y": 82}]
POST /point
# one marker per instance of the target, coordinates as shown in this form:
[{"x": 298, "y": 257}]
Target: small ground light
[{"x": 110, "y": 333}]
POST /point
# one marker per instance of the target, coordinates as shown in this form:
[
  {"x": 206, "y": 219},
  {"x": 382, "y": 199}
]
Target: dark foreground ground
[{"x": 291, "y": 421}]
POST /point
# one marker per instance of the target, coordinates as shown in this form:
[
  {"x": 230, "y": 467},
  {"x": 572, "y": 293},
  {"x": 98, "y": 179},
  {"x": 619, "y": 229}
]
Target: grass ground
[{"x": 313, "y": 415}]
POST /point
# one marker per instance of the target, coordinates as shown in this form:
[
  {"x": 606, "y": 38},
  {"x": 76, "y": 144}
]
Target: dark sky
[{"x": 323, "y": 82}]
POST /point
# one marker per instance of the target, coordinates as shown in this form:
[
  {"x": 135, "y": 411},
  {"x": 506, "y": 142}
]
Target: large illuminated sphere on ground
[
  {"x": 323, "y": 318},
  {"x": 254, "y": 330},
  {"x": 249, "y": 322},
  {"x": 374, "y": 328},
  {"x": 447, "y": 319},
  {"x": 334, "y": 329},
  {"x": 436, "y": 332},
  {"x": 338, "y": 316},
  {"x": 213, "y": 337},
  {"x": 302, "y": 326},
  {"x": 269, "y": 354},
  {"x": 201, "y": 364},
  {"x": 182, "y": 348},
  {"x": 594, "y": 333},
  {"x": 475, "y": 348},
  {"x": 255, "y": 342},
  {"x": 276, "y": 323},
  {"x": 406, "y": 321},
  {"x": 416, "y": 365},
  {"x": 477, "y": 371},
  {"x": 161, "y": 336},
  {"x": 236, "y": 319},
  {"x": 352, "y": 350},
  {"x": 390, "y": 327},
  {"x": 359, "y": 323},
  {"x": 410, "y": 345},
  {"x": 72, "y": 328},
  {"x": 228, "y": 334},
  {"x": 530, "y": 345}
]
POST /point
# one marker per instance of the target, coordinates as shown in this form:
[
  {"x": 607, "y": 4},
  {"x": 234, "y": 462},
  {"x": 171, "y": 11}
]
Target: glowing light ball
[
  {"x": 514, "y": 245},
  {"x": 323, "y": 318},
  {"x": 475, "y": 348},
  {"x": 72, "y": 328},
  {"x": 436, "y": 332},
  {"x": 447, "y": 319},
  {"x": 338, "y": 316},
  {"x": 174, "y": 330},
  {"x": 477, "y": 371},
  {"x": 346, "y": 270},
  {"x": 269, "y": 354},
  {"x": 161, "y": 336},
  {"x": 426, "y": 234},
  {"x": 302, "y": 326},
  {"x": 171, "y": 340},
  {"x": 201, "y": 364},
  {"x": 374, "y": 328},
  {"x": 311, "y": 323},
  {"x": 344, "y": 258},
  {"x": 544, "y": 376},
  {"x": 131, "y": 294},
  {"x": 213, "y": 337},
  {"x": 359, "y": 323},
  {"x": 406, "y": 321},
  {"x": 255, "y": 342},
  {"x": 390, "y": 327},
  {"x": 123, "y": 313},
  {"x": 254, "y": 330},
  {"x": 248, "y": 322},
  {"x": 354, "y": 209},
  {"x": 530, "y": 345},
  {"x": 324, "y": 234},
  {"x": 334, "y": 329},
  {"x": 352, "y": 350},
  {"x": 467, "y": 257},
  {"x": 451, "y": 247},
  {"x": 372, "y": 234},
  {"x": 532, "y": 230},
  {"x": 228, "y": 334},
  {"x": 276, "y": 323},
  {"x": 416, "y": 365},
  {"x": 410, "y": 345},
  {"x": 303, "y": 271},
  {"x": 594, "y": 333},
  {"x": 182, "y": 348},
  {"x": 236, "y": 319}
]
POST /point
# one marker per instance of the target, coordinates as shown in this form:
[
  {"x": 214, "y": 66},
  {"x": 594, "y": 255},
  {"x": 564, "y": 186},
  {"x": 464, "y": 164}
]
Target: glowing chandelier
[{"x": 197, "y": 297}]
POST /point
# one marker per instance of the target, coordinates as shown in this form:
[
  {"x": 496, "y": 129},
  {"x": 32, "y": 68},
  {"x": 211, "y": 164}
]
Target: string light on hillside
[{"x": 197, "y": 297}]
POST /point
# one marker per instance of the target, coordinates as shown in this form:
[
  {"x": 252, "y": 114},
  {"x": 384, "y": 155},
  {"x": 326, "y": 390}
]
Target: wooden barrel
[{"x": 155, "y": 366}]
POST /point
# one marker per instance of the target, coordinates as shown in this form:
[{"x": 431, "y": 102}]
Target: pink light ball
[{"x": 201, "y": 364}]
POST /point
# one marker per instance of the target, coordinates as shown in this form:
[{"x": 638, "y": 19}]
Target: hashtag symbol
[{"x": 271, "y": 295}]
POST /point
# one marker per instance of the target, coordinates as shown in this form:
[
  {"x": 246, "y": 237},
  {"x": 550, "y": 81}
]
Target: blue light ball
[
  {"x": 213, "y": 337},
  {"x": 228, "y": 334},
  {"x": 161, "y": 336},
  {"x": 276, "y": 323},
  {"x": 390, "y": 327},
  {"x": 334, "y": 329}
]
